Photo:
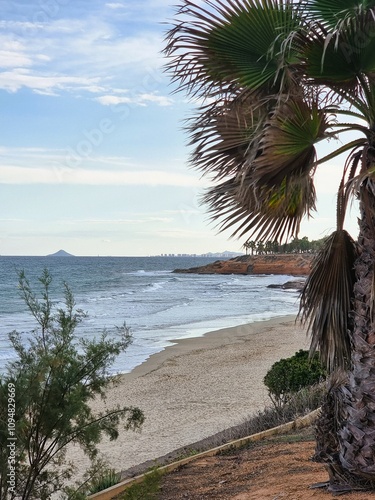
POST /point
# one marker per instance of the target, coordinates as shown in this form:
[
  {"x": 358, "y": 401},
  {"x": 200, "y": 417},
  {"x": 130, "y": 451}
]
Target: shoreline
[
  {"x": 210, "y": 339},
  {"x": 195, "y": 388}
]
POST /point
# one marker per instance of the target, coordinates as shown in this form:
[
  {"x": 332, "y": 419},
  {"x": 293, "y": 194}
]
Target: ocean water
[{"x": 158, "y": 305}]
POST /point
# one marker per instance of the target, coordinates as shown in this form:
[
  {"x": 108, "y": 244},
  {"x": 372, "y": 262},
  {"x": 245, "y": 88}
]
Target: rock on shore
[{"x": 292, "y": 264}]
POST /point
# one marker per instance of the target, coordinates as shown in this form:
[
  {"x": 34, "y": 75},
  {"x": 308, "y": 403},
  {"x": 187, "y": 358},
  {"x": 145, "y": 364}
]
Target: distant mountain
[{"x": 60, "y": 253}]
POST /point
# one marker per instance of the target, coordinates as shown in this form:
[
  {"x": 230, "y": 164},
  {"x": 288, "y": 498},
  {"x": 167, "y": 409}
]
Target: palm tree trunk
[
  {"x": 357, "y": 436},
  {"x": 346, "y": 428}
]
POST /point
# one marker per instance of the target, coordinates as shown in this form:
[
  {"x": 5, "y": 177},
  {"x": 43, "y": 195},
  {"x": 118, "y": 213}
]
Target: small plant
[
  {"x": 98, "y": 477},
  {"x": 148, "y": 489},
  {"x": 45, "y": 397},
  {"x": 104, "y": 480},
  {"x": 288, "y": 376}
]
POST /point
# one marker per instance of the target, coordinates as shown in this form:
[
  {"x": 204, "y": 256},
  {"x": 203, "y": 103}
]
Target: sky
[{"x": 93, "y": 152}]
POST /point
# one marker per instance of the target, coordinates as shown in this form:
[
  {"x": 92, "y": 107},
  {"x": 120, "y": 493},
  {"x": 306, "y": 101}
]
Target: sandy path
[{"x": 196, "y": 388}]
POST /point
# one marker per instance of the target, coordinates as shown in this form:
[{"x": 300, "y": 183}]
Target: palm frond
[
  {"x": 288, "y": 142},
  {"x": 225, "y": 134},
  {"x": 360, "y": 159},
  {"x": 326, "y": 300},
  {"x": 339, "y": 58},
  {"x": 338, "y": 13},
  {"x": 346, "y": 191},
  {"x": 216, "y": 44},
  {"x": 264, "y": 213}
]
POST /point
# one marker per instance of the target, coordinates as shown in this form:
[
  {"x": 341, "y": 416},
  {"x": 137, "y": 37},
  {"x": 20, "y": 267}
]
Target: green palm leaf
[
  {"x": 343, "y": 54},
  {"x": 340, "y": 64},
  {"x": 288, "y": 142},
  {"x": 326, "y": 300},
  {"x": 232, "y": 42},
  {"x": 335, "y": 12},
  {"x": 249, "y": 41}
]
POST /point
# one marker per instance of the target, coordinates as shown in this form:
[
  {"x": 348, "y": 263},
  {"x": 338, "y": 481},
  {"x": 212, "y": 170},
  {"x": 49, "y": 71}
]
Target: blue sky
[{"x": 93, "y": 156}]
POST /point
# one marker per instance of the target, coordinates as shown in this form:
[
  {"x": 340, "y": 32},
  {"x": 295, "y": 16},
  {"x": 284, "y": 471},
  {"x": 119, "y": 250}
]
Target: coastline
[
  {"x": 195, "y": 388},
  {"x": 208, "y": 340}
]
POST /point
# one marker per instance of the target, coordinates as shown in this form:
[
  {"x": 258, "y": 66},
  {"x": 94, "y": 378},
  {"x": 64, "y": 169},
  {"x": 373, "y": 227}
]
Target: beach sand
[{"x": 196, "y": 388}]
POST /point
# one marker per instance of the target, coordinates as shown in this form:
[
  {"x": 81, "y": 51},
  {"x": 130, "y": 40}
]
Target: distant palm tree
[
  {"x": 271, "y": 78},
  {"x": 260, "y": 247},
  {"x": 252, "y": 246}
]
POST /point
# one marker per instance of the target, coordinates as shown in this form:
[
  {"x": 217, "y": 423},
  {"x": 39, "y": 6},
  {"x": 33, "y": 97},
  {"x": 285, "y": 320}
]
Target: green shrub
[
  {"x": 45, "y": 396},
  {"x": 288, "y": 376}
]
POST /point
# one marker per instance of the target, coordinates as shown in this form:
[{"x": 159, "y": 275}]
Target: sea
[{"x": 158, "y": 305}]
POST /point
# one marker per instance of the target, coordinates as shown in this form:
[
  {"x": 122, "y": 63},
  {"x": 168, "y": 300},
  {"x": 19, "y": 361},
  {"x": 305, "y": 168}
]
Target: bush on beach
[
  {"x": 287, "y": 376},
  {"x": 45, "y": 397}
]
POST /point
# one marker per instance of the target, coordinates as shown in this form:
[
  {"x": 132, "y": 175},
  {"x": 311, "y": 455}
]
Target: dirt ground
[{"x": 273, "y": 470}]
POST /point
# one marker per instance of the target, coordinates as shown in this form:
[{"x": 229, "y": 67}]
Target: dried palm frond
[
  {"x": 226, "y": 134},
  {"x": 265, "y": 213},
  {"x": 326, "y": 300}
]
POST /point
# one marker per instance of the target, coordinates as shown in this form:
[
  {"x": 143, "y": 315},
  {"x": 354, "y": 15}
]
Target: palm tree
[
  {"x": 253, "y": 246},
  {"x": 260, "y": 247},
  {"x": 270, "y": 79}
]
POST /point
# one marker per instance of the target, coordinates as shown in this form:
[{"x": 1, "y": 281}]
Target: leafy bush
[
  {"x": 288, "y": 376},
  {"x": 52, "y": 382}
]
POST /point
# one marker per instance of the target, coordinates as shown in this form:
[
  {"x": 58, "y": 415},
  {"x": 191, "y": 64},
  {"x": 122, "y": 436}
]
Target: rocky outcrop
[
  {"x": 289, "y": 285},
  {"x": 291, "y": 264}
]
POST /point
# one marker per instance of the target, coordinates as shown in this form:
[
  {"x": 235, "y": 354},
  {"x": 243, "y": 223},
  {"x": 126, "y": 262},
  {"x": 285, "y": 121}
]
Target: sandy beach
[{"x": 196, "y": 388}]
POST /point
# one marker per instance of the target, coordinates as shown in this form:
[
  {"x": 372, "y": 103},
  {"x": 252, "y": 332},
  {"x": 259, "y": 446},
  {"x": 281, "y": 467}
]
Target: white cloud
[
  {"x": 66, "y": 160},
  {"x": 141, "y": 218},
  {"x": 115, "y": 6},
  {"x": 112, "y": 100},
  {"x": 14, "y": 80},
  {"x": 158, "y": 99},
  {"x": 24, "y": 175},
  {"x": 57, "y": 55},
  {"x": 27, "y": 161},
  {"x": 138, "y": 100},
  {"x": 13, "y": 59},
  {"x": 18, "y": 53}
]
